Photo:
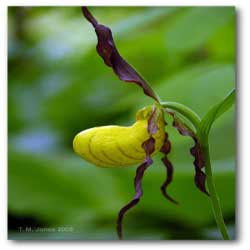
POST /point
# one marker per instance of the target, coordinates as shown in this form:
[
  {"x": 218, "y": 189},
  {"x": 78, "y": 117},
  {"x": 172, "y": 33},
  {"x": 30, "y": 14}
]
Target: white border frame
[{"x": 243, "y": 115}]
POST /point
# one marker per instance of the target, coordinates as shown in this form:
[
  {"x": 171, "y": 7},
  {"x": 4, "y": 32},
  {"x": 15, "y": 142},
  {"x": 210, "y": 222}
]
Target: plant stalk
[
  {"x": 183, "y": 110},
  {"x": 213, "y": 195}
]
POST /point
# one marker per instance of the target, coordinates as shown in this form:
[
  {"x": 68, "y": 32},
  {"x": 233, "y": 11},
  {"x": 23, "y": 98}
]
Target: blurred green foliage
[{"x": 58, "y": 86}]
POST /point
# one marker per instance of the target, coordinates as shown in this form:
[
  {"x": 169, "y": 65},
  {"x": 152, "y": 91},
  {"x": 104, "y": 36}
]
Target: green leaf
[{"x": 214, "y": 113}]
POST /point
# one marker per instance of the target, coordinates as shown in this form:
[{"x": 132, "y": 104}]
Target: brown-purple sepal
[
  {"x": 196, "y": 151},
  {"x": 107, "y": 50},
  {"x": 89, "y": 17},
  {"x": 166, "y": 148}
]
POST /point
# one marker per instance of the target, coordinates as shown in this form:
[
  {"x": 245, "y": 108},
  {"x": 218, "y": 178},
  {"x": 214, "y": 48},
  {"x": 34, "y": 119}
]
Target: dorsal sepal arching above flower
[{"x": 107, "y": 50}]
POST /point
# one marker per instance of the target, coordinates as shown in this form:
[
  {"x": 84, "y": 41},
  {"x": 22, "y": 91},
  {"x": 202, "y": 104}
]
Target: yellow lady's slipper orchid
[{"x": 113, "y": 146}]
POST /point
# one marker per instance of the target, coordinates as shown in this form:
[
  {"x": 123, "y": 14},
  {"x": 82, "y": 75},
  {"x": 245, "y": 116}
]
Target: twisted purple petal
[
  {"x": 196, "y": 151},
  {"x": 200, "y": 177},
  {"x": 149, "y": 147},
  {"x": 138, "y": 193},
  {"x": 166, "y": 148}
]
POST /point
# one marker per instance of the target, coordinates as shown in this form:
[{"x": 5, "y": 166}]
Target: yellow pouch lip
[{"x": 114, "y": 146}]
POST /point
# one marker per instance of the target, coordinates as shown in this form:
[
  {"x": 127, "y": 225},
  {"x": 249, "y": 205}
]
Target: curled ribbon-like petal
[
  {"x": 166, "y": 148},
  {"x": 107, "y": 50},
  {"x": 149, "y": 147},
  {"x": 196, "y": 151}
]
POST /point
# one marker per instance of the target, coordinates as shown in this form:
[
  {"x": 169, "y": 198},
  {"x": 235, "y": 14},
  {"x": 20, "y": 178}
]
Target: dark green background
[{"x": 58, "y": 86}]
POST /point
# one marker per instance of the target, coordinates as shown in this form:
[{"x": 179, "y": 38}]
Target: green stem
[
  {"x": 213, "y": 195},
  {"x": 183, "y": 110},
  {"x": 203, "y": 138}
]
